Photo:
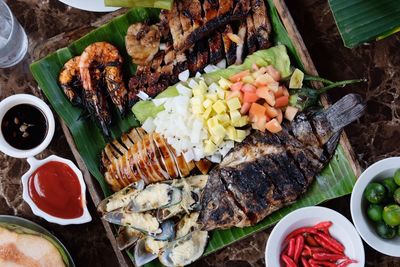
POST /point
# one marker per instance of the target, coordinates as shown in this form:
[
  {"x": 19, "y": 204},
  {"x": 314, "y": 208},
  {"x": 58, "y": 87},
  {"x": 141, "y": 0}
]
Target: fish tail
[{"x": 348, "y": 109}]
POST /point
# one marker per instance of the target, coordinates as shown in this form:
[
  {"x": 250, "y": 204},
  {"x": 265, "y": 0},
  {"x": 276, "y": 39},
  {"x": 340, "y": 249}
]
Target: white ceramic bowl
[
  {"x": 18, "y": 99},
  {"x": 358, "y": 206},
  {"x": 34, "y": 164},
  {"x": 342, "y": 230}
]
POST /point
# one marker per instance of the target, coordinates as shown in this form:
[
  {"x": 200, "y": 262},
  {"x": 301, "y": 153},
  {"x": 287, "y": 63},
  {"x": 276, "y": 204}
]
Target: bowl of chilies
[{"x": 314, "y": 236}]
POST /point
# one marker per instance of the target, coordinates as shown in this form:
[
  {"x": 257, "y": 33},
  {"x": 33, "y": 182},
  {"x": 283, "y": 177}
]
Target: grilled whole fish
[
  {"x": 140, "y": 156},
  {"x": 268, "y": 171}
]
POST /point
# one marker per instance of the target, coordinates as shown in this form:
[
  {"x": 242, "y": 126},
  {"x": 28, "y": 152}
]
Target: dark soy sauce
[{"x": 24, "y": 126}]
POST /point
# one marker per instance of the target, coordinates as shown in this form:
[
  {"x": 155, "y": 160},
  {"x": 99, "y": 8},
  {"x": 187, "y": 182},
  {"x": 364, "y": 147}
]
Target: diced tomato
[
  {"x": 250, "y": 97},
  {"x": 273, "y": 126},
  {"x": 285, "y": 91},
  {"x": 236, "y": 86},
  {"x": 255, "y": 67},
  {"x": 238, "y": 76},
  {"x": 290, "y": 112},
  {"x": 256, "y": 111},
  {"x": 280, "y": 115},
  {"x": 270, "y": 111},
  {"x": 249, "y": 88},
  {"x": 264, "y": 79},
  {"x": 262, "y": 92},
  {"x": 270, "y": 98},
  {"x": 279, "y": 92},
  {"x": 260, "y": 123},
  {"x": 245, "y": 108},
  {"x": 281, "y": 101},
  {"x": 274, "y": 73}
]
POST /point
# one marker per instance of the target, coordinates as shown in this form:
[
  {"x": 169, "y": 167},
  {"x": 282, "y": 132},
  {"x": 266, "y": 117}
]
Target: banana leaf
[
  {"x": 360, "y": 21},
  {"x": 336, "y": 180}
]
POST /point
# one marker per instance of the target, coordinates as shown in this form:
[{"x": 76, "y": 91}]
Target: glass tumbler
[{"x": 13, "y": 39}]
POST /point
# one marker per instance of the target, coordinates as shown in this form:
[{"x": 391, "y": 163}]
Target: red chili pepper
[
  {"x": 305, "y": 262},
  {"x": 325, "y": 231},
  {"x": 288, "y": 261},
  {"x": 321, "y": 225},
  {"x": 298, "y": 248},
  {"x": 326, "y": 245},
  {"x": 333, "y": 242},
  {"x": 328, "y": 257},
  {"x": 319, "y": 250},
  {"x": 306, "y": 251},
  {"x": 299, "y": 232},
  {"x": 314, "y": 265},
  {"x": 322, "y": 263},
  {"x": 291, "y": 247},
  {"x": 311, "y": 241},
  {"x": 346, "y": 262}
]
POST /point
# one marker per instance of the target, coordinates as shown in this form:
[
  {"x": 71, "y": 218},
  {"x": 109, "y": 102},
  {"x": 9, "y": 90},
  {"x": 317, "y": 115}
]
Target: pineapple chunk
[
  {"x": 197, "y": 109},
  {"x": 219, "y": 107},
  {"x": 231, "y": 133},
  {"x": 212, "y": 122},
  {"x": 224, "y": 119},
  {"x": 217, "y": 140},
  {"x": 233, "y": 103},
  {"x": 224, "y": 83},
  {"x": 221, "y": 93},
  {"x": 207, "y": 113},
  {"x": 218, "y": 131},
  {"x": 235, "y": 115},
  {"x": 241, "y": 135},
  {"x": 209, "y": 147},
  {"x": 212, "y": 96},
  {"x": 241, "y": 122},
  {"x": 207, "y": 103}
]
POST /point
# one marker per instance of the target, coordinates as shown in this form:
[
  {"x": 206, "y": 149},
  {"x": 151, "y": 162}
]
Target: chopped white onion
[
  {"x": 214, "y": 87},
  {"x": 148, "y": 125},
  {"x": 163, "y": 46},
  {"x": 184, "y": 76},
  {"x": 216, "y": 158},
  {"x": 198, "y": 75},
  {"x": 142, "y": 95},
  {"x": 221, "y": 64},
  {"x": 210, "y": 68},
  {"x": 188, "y": 155},
  {"x": 183, "y": 90}
]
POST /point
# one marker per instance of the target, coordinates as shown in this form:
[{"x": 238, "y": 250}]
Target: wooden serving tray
[{"x": 93, "y": 187}]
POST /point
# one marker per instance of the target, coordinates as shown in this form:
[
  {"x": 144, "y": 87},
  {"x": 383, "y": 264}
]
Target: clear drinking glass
[{"x": 13, "y": 40}]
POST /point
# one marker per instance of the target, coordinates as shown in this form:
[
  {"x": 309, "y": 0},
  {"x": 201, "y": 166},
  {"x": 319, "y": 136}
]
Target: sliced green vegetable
[{"x": 163, "y": 4}]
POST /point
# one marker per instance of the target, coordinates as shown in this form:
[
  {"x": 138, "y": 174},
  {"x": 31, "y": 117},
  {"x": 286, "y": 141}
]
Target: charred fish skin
[{"x": 268, "y": 171}]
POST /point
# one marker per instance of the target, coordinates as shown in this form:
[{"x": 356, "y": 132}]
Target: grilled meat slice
[
  {"x": 216, "y": 48},
  {"x": 210, "y": 8},
  {"x": 229, "y": 45},
  {"x": 251, "y": 39},
  {"x": 261, "y": 23},
  {"x": 268, "y": 171},
  {"x": 225, "y": 7}
]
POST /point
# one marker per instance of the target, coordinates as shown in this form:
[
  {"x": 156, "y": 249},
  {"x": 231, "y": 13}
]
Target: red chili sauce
[{"x": 55, "y": 189}]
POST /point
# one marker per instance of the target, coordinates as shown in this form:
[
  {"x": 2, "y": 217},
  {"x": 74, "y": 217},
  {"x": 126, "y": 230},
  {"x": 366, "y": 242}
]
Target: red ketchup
[{"x": 54, "y": 188}]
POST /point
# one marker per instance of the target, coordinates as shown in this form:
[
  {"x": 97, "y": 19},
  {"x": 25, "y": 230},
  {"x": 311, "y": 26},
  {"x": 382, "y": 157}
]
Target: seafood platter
[{"x": 199, "y": 125}]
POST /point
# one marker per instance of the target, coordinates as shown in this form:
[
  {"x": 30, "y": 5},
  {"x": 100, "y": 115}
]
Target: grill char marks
[
  {"x": 268, "y": 171},
  {"x": 193, "y": 35},
  {"x": 261, "y": 23}
]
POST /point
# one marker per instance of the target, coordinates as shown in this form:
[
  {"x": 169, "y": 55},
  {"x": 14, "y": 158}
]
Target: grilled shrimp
[
  {"x": 70, "y": 81},
  {"x": 106, "y": 58}
]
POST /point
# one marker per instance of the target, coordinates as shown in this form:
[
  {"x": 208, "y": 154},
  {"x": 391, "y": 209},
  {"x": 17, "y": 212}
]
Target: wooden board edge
[
  {"x": 93, "y": 189},
  {"x": 309, "y": 67}
]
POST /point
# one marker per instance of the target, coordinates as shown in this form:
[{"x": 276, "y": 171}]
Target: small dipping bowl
[
  {"x": 34, "y": 165},
  {"x": 37, "y": 103}
]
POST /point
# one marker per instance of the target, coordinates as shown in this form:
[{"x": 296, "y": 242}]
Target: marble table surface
[{"x": 373, "y": 137}]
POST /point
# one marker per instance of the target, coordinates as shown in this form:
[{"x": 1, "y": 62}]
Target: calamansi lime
[{"x": 391, "y": 215}]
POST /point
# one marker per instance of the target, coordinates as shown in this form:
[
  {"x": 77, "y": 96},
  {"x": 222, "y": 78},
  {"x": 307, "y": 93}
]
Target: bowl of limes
[{"x": 375, "y": 206}]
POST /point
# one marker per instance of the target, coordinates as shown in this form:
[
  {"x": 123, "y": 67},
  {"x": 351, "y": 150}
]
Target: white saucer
[{"x": 89, "y": 5}]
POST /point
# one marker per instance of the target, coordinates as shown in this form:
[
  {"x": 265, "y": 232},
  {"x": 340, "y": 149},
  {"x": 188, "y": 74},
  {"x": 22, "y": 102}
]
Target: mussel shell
[
  {"x": 174, "y": 197},
  {"x": 199, "y": 243},
  {"x": 167, "y": 231},
  {"x": 187, "y": 225},
  {"x": 125, "y": 195},
  {"x": 127, "y": 236},
  {"x": 141, "y": 255}
]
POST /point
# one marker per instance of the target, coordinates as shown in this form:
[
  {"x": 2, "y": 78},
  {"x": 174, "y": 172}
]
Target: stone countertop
[{"x": 374, "y": 137}]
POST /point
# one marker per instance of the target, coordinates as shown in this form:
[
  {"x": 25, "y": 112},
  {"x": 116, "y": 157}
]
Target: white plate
[
  {"x": 89, "y": 5},
  {"x": 358, "y": 206},
  {"x": 342, "y": 230}
]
